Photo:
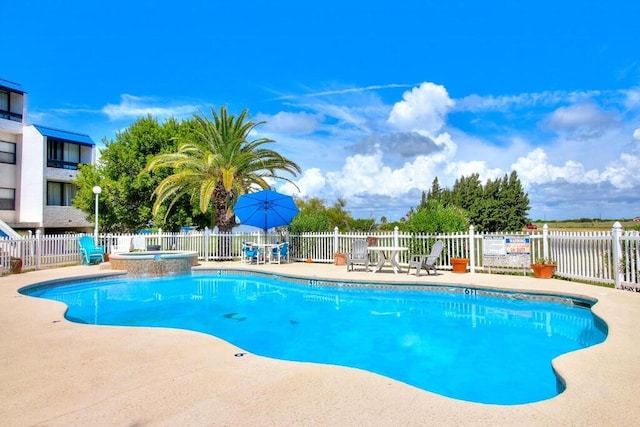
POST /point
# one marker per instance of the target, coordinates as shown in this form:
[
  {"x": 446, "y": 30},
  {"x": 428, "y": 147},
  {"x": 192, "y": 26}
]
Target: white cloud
[
  {"x": 632, "y": 98},
  {"x": 424, "y": 108},
  {"x": 344, "y": 91},
  {"x": 535, "y": 168},
  {"x": 636, "y": 134},
  {"x": 132, "y": 107},
  {"x": 311, "y": 182},
  {"x": 290, "y": 123},
  {"x": 478, "y": 103},
  {"x": 579, "y": 117}
]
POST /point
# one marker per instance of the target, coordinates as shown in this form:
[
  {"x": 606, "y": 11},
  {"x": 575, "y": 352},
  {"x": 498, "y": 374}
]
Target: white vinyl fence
[{"x": 608, "y": 257}]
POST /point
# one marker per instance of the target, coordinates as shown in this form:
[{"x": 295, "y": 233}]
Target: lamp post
[{"x": 96, "y": 190}]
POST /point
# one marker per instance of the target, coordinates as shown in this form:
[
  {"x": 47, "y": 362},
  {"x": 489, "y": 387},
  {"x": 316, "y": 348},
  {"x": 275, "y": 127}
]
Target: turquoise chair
[
  {"x": 250, "y": 252},
  {"x": 90, "y": 251},
  {"x": 280, "y": 252}
]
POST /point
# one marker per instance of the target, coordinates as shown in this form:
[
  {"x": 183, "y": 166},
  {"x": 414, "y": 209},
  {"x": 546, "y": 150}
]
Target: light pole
[{"x": 96, "y": 190}]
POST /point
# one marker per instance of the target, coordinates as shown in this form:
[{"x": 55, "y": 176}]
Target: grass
[{"x": 586, "y": 224}]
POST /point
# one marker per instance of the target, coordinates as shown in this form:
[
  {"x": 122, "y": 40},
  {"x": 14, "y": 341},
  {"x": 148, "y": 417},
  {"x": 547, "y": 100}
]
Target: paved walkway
[{"x": 57, "y": 373}]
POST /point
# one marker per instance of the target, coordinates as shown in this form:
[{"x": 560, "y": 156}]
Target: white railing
[{"x": 609, "y": 257}]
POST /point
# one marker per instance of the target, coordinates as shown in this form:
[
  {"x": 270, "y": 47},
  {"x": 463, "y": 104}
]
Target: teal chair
[
  {"x": 250, "y": 253},
  {"x": 90, "y": 251},
  {"x": 280, "y": 252}
]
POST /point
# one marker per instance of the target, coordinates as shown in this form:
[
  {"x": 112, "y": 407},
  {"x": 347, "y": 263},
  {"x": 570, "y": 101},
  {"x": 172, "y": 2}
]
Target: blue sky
[{"x": 372, "y": 99}]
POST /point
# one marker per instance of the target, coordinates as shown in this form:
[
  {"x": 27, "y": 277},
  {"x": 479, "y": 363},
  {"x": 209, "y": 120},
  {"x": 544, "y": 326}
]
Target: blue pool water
[{"x": 458, "y": 344}]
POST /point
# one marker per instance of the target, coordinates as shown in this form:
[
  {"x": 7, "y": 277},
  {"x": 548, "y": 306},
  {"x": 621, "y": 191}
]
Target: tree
[
  {"x": 515, "y": 202},
  {"x": 467, "y": 192},
  {"x": 501, "y": 205},
  {"x": 436, "y": 218},
  {"x": 125, "y": 202},
  {"x": 217, "y": 163},
  {"x": 435, "y": 193},
  {"x": 314, "y": 216}
]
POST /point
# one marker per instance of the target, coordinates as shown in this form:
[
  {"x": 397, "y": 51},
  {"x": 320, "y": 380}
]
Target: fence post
[
  {"x": 616, "y": 247},
  {"x": 206, "y": 235},
  {"x": 335, "y": 240},
  {"x": 38, "y": 248},
  {"x": 545, "y": 242},
  {"x": 472, "y": 250}
]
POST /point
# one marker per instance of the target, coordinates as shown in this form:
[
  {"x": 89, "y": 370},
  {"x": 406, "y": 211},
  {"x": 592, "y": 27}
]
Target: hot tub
[{"x": 154, "y": 263}]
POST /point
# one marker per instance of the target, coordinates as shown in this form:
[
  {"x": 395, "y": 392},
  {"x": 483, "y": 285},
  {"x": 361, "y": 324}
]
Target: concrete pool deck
[{"x": 57, "y": 373}]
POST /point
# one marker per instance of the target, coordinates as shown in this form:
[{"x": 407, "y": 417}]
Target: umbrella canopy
[{"x": 265, "y": 209}]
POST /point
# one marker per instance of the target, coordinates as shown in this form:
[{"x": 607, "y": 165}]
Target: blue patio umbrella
[{"x": 265, "y": 209}]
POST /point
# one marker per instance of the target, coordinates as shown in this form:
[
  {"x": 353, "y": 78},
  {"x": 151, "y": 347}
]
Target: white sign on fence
[{"x": 506, "y": 251}]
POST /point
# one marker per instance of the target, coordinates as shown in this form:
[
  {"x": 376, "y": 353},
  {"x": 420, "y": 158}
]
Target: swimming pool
[{"x": 465, "y": 343}]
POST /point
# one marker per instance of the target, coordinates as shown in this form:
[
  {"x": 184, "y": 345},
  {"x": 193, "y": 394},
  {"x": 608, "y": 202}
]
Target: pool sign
[
  {"x": 506, "y": 251},
  {"x": 494, "y": 246},
  {"x": 517, "y": 245}
]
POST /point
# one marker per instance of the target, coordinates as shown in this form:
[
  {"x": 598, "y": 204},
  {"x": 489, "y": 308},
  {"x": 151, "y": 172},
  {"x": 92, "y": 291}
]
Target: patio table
[
  {"x": 387, "y": 255},
  {"x": 265, "y": 251}
]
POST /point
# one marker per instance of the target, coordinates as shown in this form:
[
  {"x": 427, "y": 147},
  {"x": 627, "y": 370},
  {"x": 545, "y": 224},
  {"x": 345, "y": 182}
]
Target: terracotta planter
[
  {"x": 459, "y": 264},
  {"x": 543, "y": 271},
  {"x": 309, "y": 260},
  {"x": 372, "y": 240},
  {"x": 340, "y": 258}
]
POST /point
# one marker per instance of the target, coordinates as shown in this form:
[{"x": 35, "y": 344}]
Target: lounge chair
[
  {"x": 250, "y": 252},
  {"x": 428, "y": 262},
  {"x": 89, "y": 250},
  {"x": 359, "y": 255},
  {"x": 280, "y": 252}
]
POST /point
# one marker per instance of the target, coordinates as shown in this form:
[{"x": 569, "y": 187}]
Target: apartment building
[{"x": 37, "y": 165}]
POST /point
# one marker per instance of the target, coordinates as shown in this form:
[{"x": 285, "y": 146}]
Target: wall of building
[
  {"x": 32, "y": 184},
  {"x": 9, "y": 175}
]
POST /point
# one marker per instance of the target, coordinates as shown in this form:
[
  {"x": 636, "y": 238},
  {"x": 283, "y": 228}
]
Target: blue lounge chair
[
  {"x": 90, "y": 251},
  {"x": 280, "y": 252},
  {"x": 250, "y": 252}
]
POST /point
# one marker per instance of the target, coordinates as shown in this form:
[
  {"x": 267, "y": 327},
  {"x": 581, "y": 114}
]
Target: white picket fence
[{"x": 607, "y": 257}]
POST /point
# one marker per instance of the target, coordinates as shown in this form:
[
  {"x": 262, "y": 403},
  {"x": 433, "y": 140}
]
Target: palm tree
[{"x": 218, "y": 162}]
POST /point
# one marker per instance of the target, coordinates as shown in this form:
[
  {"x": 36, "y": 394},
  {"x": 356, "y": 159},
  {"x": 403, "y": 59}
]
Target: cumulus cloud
[
  {"x": 636, "y": 134},
  {"x": 423, "y": 108},
  {"x": 586, "y": 120},
  {"x": 402, "y": 144},
  {"x": 131, "y": 107},
  {"x": 535, "y": 168},
  {"x": 311, "y": 183}
]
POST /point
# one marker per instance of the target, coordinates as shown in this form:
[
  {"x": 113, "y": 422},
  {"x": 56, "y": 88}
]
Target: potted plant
[
  {"x": 459, "y": 264},
  {"x": 543, "y": 268}
]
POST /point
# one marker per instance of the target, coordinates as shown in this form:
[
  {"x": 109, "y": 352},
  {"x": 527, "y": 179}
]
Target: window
[
  {"x": 60, "y": 193},
  {"x": 63, "y": 155},
  {"x": 7, "y": 199},
  {"x": 7, "y": 152},
  {"x": 5, "y": 106},
  {"x": 4, "y": 101}
]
